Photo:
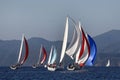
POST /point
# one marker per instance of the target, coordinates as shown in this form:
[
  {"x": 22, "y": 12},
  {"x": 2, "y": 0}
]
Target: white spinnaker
[
  {"x": 73, "y": 40},
  {"x": 71, "y": 51},
  {"x": 78, "y": 51},
  {"x": 20, "y": 52},
  {"x": 49, "y": 59},
  {"x": 39, "y": 55},
  {"x": 64, "y": 41}
]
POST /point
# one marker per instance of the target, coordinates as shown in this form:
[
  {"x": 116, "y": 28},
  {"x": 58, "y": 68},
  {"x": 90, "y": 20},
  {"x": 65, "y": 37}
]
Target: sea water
[{"x": 87, "y": 73}]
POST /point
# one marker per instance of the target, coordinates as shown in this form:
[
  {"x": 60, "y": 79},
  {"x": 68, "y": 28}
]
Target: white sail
[
  {"x": 64, "y": 41},
  {"x": 20, "y": 52},
  {"x": 108, "y": 63},
  {"x": 54, "y": 56},
  {"x": 50, "y": 56},
  {"x": 78, "y": 51},
  {"x": 39, "y": 55},
  {"x": 71, "y": 51},
  {"x": 73, "y": 40}
]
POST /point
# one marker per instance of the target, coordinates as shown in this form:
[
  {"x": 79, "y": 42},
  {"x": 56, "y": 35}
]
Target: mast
[
  {"x": 21, "y": 46},
  {"x": 64, "y": 41}
]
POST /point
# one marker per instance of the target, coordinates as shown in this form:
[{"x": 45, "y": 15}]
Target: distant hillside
[
  {"x": 108, "y": 42},
  {"x": 108, "y": 47}
]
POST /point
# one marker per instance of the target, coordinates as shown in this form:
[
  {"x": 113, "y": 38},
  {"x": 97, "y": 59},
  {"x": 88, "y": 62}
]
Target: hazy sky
[{"x": 46, "y": 18}]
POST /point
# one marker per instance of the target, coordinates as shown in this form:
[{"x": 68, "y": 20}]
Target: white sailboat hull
[
  {"x": 13, "y": 68},
  {"x": 70, "y": 69},
  {"x": 51, "y": 68}
]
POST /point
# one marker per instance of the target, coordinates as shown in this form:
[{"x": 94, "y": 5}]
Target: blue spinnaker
[
  {"x": 93, "y": 51},
  {"x": 54, "y": 56}
]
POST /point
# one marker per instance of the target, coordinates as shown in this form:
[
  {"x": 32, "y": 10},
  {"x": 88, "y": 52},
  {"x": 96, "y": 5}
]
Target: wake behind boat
[{"x": 21, "y": 60}]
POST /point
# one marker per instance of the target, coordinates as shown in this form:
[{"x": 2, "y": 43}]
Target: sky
[{"x": 46, "y": 18}]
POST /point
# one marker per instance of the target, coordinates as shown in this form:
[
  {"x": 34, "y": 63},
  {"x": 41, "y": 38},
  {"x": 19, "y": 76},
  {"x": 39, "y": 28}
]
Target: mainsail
[
  {"x": 50, "y": 55},
  {"x": 39, "y": 55},
  {"x": 64, "y": 41},
  {"x": 20, "y": 52}
]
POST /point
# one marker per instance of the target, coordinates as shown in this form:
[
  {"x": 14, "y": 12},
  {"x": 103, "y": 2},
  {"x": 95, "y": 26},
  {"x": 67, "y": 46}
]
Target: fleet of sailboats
[{"x": 82, "y": 50}]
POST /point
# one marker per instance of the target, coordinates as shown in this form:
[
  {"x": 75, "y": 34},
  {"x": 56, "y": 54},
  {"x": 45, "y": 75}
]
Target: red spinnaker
[
  {"x": 44, "y": 55},
  {"x": 27, "y": 51}
]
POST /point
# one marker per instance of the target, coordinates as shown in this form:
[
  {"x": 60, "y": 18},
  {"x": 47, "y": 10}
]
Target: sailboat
[
  {"x": 42, "y": 57},
  {"x": 21, "y": 60},
  {"x": 51, "y": 65},
  {"x": 108, "y": 63},
  {"x": 80, "y": 55}
]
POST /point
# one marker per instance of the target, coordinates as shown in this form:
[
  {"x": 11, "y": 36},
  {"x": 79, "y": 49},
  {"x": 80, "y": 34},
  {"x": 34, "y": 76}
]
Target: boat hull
[
  {"x": 13, "y": 68},
  {"x": 51, "y": 68},
  {"x": 74, "y": 67},
  {"x": 35, "y": 66}
]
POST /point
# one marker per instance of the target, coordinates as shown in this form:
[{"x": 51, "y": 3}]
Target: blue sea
[{"x": 87, "y": 73}]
